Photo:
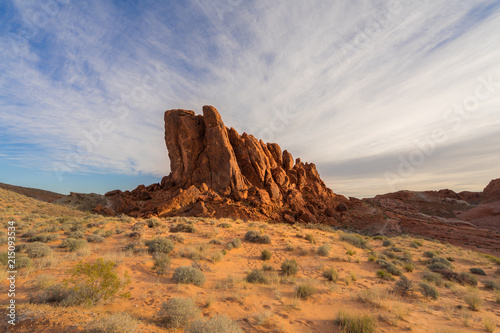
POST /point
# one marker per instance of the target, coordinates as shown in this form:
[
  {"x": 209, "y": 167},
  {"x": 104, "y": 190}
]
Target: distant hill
[{"x": 33, "y": 192}]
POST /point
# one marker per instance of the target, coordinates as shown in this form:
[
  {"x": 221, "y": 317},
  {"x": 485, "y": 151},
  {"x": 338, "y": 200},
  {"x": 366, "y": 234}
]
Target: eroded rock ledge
[{"x": 217, "y": 172}]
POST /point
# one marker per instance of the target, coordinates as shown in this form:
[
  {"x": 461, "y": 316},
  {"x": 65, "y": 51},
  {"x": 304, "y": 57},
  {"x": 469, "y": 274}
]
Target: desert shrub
[
  {"x": 266, "y": 254},
  {"x": 74, "y": 245},
  {"x": 466, "y": 279},
  {"x": 331, "y": 274},
  {"x": 234, "y": 243},
  {"x": 408, "y": 267},
  {"x": 108, "y": 233},
  {"x": 21, "y": 260},
  {"x": 135, "y": 235},
  {"x": 177, "y": 238},
  {"x": 44, "y": 238},
  {"x": 304, "y": 290},
  {"x": 93, "y": 282},
  {"x": 189, "y": 275},
  {"x": 428, "y": 291},
  {"x": 161, "y": 245},
  {"x": 95, "y": 239},
  {"x": 267, "y": 267},
  {"x": 197, "y": 251},
  {"x": 384, "y": 275},
  {"x": 256, "y": 276},
  {"x": 310, "y": 238},
  {"x": 437, "y": 266},
  {"x": 477, "y": 271},
  {"x": 77, "y": 227},
  {"x": 403, "y": 286},
  {"x": 396, "y": 249},
  {"x": 38, "y": 250},
  {"x": 473, "y": 300},
  {"x": 390, "y": 267},
  {"x": 440, "y": 260},
  {"x": 355, "y": 324},
  {"x": 289, "y": 267},
  {"x": 416, "y": 244},
  {"x": 388, "y": 254},
  {"x": 217, "y": 256},
  {"x": 215, "y": 242},
  {"x": 28, "y": 234},
  {"x": 490, "y": 284},
  {"x": 217, "y": 324},
  {"x": 387, "y": 243},
  {"x": 350, "y": 252},
  {"x": 256, "y": 237},
  {"x": 324, "y": 250},
  {"x": 224, "y": 225},
  {"x": 161, "y": 263},
  {"x": 55, "y": 293},
  {"x": 115, "y": 323},
  {"x": 178, "y": 312},
  {"x": 355, "y": 240},
  {"x": 153, "y": 222},
  {"x": 183, "y": 227},
  {"x": 433, "y": 277},
  {"x": 76, "y": 235},
  {"x": 138, "y": 226},
  {"x": 429, "y": 254}
]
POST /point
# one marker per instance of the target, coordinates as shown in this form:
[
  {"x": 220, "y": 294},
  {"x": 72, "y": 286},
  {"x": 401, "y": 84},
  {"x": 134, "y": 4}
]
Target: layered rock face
[{"x": 217, "y": 172}]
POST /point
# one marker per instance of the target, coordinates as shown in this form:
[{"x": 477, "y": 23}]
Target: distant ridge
[{"x": 35, "y": 193}]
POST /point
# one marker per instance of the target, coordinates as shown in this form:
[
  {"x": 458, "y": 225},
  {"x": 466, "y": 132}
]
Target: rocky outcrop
[{"x": 215, "y": 170}]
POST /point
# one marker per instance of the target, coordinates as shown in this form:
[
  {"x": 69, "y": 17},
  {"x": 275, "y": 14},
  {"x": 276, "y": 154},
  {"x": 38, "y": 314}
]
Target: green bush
[
  {"x": 115, "y": 323},
  {"x": 440, "y": 260},
  {"x": 477, "y": 271},
  {"x": 178, "y": 312},
  {"x": 93, "y": 282},
  {"x": 224, "y": 225},
  {"x": 331, "y": 274},
  {"x": 256, "y": 276},
  {"x": 355, "y": 324},
  {"x": 324, "y": 250},
  {"x": 21, "y": 260},
  {"x": 95, "y": 239},
  {"x": 289, "y": 267},
  {"x": 160, "y": 245},
  {"x": 38, "y": 250},
  {"x": 355, "y": 240},
  {"x": 189, "y": 275},
  {"x": 304, "y": 290},
  {"x": 266, "y": 254},
  {"x": 416, "y": 244},
  {"x": 217, "y": 324},
  {"x": 183, "y": 227},
  {"x": 161, "y": 263},
  {"x": 385, "y": 275},
  {"x": 428, "y": 291}
]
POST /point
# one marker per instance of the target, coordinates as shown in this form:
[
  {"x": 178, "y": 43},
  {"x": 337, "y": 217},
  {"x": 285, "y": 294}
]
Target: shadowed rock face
[{"x": 217, "y": 172}]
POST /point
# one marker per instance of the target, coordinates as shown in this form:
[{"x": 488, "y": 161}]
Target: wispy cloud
[{"x": 351, "y": 86}]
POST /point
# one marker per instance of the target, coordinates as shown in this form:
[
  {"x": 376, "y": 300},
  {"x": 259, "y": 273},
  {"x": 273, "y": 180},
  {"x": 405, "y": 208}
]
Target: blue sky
[{"x": 381, "y": 95}]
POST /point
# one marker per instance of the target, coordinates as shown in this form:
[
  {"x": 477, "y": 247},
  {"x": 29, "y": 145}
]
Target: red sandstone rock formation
[{"x": 217, "y": 172}]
